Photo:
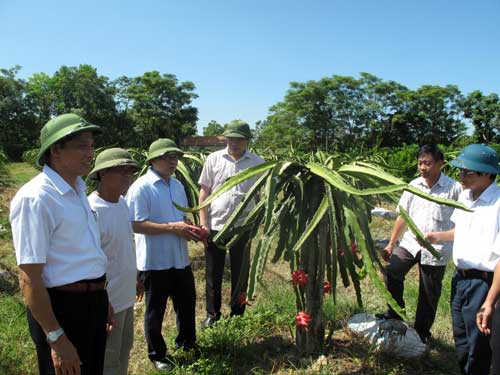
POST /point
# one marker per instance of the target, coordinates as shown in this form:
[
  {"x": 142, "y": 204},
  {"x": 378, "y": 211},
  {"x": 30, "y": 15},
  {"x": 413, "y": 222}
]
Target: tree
[
  {"x": 484, "y": 112},
  {"x": 161, "y": 107},
  {"x": 342, "y": 113},
  {"x": 213, "y": 128},
  {"x": 18, "y": 131},
  {"x": 431, "y": 114}
]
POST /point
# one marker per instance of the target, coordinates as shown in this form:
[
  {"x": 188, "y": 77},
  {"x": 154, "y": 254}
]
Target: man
[
  {"x": 218, "y": 167},
  {"x": 488, "y": 319},
  {"x": 428, "y": 216},
  {"x": 476, "y": 250},
  {"x": 161, "y": 238},
  {"x": 58, "y": 251},
  {"x": 113, "y": 170}
]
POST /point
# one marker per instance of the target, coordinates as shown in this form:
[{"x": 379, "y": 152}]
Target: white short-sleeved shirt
[
  {"x": 218, "y": 167},
  {"x": 52, "y": 224},
  {"x": 151, "y": 198},
  {"x": 430, "y": 217},
  {"x": 477, "y": 234},
  {"x": 118, "y": 244}
]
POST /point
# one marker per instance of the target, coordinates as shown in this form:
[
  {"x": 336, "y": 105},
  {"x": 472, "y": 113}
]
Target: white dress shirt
[
  {"x": 430, "y": 217},
  {"x": 218, "y": 167},
  {"x": 52, "y": 224},
  {"x": 477, "y": 239}
]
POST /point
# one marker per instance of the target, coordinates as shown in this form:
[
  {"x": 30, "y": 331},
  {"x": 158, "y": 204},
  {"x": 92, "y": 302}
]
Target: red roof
[{"x": 201, "y": 141}]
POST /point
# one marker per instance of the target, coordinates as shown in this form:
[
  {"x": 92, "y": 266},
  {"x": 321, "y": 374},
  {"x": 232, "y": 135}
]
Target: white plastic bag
[{"x": 388, "y": 335}]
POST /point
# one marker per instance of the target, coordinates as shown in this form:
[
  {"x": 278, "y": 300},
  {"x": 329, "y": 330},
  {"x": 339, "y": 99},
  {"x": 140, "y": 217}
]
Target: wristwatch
[{"x": 53, "y": 336}]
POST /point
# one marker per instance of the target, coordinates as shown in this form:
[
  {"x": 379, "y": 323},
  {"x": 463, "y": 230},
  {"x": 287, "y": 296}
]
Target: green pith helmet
[
  {"x": 478, "y": 158},
  {"x": 112, "y": 157},
  {"x": 60, "y": 127},
  {"x": 161, "y": 147},
  {"x": 238, "y": 129}
]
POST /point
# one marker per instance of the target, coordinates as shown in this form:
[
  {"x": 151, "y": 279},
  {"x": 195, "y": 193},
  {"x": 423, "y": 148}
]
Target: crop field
[{"x": 260, "y": 342}]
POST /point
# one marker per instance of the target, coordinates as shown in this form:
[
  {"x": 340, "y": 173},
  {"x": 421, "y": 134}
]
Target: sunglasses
[{"x": 466, "y": 172}]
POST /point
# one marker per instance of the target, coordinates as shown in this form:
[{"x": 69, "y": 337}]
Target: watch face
[{"x": 54, "y": 335}]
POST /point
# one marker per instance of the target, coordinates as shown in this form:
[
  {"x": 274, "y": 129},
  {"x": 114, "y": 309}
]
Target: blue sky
[{"x": 242, "y": 55}]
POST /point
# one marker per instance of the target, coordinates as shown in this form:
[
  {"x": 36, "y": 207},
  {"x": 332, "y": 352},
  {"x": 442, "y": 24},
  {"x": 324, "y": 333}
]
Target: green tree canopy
[
  {"x": 484, "y": 112},
  {"x": 342, "y": 113},
  {"x": 213, "y": 128},
  {"x": 160, "y": 107}
]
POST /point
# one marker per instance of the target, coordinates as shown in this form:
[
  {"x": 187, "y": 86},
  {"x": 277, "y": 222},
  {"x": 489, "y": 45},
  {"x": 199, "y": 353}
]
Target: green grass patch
[
  {"x": 21, "y": 172},
  {"x": 17, "y": 352}
]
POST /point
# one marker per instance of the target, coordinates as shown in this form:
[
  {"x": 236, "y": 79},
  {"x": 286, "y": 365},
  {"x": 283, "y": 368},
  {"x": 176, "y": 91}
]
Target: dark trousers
[
  {"x": 83, "y": 317},
  {"x": 215, "y": 259},
  {"x": 472, "y": 347},
  {"x": 495, "y": 340},
  {"x": 429, "y": 289},
  {"x": 178, "y": 284}
]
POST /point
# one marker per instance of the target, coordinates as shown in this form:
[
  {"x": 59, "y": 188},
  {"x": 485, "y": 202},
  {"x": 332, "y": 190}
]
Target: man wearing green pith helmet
[
  {"x": 161, "y": 234},
  {"x": 58, "y": 250},
  {"x": 476, "y": 251},
  {"x": 113, "y": 170},
  {"x": 218, "y": 167}
]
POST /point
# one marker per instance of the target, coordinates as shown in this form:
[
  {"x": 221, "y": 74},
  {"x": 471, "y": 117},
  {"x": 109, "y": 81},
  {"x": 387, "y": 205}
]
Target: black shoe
[
  {"x": 210, "y": 320},
  {"x": 164, "y": 364},
  {"x": 388, "y": 315}
]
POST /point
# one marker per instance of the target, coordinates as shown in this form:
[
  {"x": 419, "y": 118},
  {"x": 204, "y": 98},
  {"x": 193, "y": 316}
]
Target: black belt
[
  {"x": 84, "y": 286},
  {"x": 475, "y": 274}
]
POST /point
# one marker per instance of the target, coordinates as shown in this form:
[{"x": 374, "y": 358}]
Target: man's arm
[
  {"x": 179, "y": 228},
  {"x": 204, "y": 193},
  {"x": 485, "y": 313},
  {"x": 397, "y": 231},
  {"x": 437, "y": 237},
  {"x": 64, "y": 354}
]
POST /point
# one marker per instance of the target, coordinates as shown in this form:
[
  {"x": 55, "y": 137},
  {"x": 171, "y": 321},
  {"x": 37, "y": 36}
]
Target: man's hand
[
  {"x": 65, "y": 357},
  {"x": 185, "y": 230},
  {"x": 205, "y": 240},
  {"x": 139, "y": 290},
  {"x": 483, "y": 318},
  {"x": 110, "y": 323},
  {"x": 387, "y": 252},
  {"x": 433, "y": 237}
]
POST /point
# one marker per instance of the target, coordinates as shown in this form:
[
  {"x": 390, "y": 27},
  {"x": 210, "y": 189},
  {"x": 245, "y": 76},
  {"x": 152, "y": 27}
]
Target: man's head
[
  {"x": 478, "y": 166},
  {"x": 237, "y": 135},
  {"x": 59, "y": 131},
  {"x": 429, "y": 162},
  {"x": 164, "y": 156},
  {"x": 114, "y": 168}
]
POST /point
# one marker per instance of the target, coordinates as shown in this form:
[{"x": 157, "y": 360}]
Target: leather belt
[
  {"x": 475, "y": 274},
  {"x": 84, "y": 286}
]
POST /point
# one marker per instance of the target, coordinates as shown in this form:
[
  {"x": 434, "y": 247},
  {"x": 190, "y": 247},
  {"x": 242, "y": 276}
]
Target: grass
[{"x": 260, "y": 342}]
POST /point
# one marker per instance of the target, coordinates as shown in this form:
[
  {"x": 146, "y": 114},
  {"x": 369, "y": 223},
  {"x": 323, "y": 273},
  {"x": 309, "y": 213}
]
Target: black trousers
[
  {"x": 429, "y": 290},
  {"x": 495, "y": 340},
  {"x": 472, "y": 347},
  {"x": 178, "y": 284},
  {"x": 215, "y": 259},
  {"x": 83, "y": 317}
]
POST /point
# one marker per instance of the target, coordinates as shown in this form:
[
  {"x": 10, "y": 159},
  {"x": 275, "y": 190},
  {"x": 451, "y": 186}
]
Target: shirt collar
[
  {"x": 153, "y": 177},
  {"x": 246, "y": 155},
  {"x": 440, "y": 182},
  {"x": 489, "y": 194},
  {"x": 60, "y": 183}
]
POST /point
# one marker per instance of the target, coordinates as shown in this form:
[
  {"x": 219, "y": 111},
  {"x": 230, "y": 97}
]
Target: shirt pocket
[{"x": 442, "y": 213}]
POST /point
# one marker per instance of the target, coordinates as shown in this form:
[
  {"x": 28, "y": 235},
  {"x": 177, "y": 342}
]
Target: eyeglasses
[
  {"x": 124, "y": 170},
  {"x": 169, "y": 157},
  {"x": 466, "y": 172}
]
